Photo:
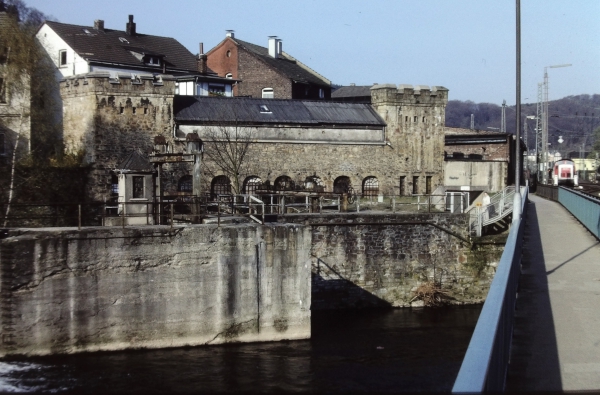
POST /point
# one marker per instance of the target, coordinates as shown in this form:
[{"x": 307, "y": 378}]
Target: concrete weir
[{"x": 66, "y": 291}]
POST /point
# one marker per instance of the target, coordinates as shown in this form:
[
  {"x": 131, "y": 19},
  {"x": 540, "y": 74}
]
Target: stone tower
[{"x": 415, "y": 118}]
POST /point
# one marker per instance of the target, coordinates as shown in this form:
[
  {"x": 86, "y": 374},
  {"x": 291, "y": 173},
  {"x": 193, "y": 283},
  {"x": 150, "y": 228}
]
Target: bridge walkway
[{"x": 556, "y": 338}]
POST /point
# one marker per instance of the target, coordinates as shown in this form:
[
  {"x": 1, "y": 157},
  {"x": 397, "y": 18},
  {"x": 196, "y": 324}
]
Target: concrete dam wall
[{"x": 66, "y": 291}]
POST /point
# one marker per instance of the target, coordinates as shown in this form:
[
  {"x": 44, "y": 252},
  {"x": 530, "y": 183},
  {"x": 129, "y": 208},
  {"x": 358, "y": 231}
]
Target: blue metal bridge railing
[
  {"x": 585, "y": 208},
  {"x": 486, "y": 361}
]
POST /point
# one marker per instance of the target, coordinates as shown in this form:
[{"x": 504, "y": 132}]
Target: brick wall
[{"x": 256, "y": 75}]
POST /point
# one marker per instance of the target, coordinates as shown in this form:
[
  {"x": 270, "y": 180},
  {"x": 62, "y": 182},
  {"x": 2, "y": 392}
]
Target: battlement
[
  {"x": 408, "y": 94},
  {"x": 102, "y": 82}
]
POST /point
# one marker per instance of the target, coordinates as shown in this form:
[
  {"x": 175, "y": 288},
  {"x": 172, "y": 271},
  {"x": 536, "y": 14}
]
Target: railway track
[{"x": 589, "y": 189}]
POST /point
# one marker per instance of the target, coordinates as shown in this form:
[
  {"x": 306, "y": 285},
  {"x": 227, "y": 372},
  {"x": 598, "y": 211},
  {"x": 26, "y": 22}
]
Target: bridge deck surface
[{"x": 556, "y": 340}]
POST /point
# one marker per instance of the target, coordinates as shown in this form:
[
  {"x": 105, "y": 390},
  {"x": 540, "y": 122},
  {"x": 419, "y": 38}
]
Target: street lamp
[{"x": 545, "y": 119}]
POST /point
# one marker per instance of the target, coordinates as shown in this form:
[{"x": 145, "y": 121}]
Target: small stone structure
[{"x": 66, "y": 291}]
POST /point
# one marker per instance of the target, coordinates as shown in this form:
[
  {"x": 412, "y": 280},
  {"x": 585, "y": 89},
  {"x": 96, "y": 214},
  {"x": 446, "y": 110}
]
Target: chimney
[
  {"x": 202, "y": 67},
  {"x": 130, "y": 27},
  {"x": 274, "y": 47},
  {"x": 99, "y": 25},
  {"x": 230, "y": 33}
]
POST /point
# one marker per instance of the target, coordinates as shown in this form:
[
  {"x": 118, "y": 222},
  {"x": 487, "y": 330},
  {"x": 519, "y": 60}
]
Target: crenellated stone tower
[
  {"x": 415, "y": 118},
  {"x": 106, "y": 118}
]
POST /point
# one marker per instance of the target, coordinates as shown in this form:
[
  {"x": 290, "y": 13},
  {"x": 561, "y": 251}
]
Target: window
[
  {"x": 370, "y": 186},
  {"x": 428, "y": 185},
  {"x": 2, "y": 91},
  {"x": 321, "y": 93},
  {"x": 62, "y": 58},
  {"x": 342, "y": 184},
  {"x": 228, "y": 53},
  {"x": 216, "y": 90},
  {"x": 185, "y": 184},
  {"x": 251, "y": 184},
  {"x": 264, "y": 109},
  {"x": 114, "y": 185},
  {"x": 267, "y": 93},
  {"x": 415, "y": 119},
  {"x": 153, "y": 60},
  {"x": 314, "y": 183},
  {"x": 220, "y": 186},
  {"x": 402, "y": 185},
  {"x": 3, "y": 54},
  {"x": 415, "y": 185},
  {"x": 138, "y": 187},
  {"x": 284, "y": 183},
  {"x": 229, "y": 76},
  {"x": 406, "y": 119}
]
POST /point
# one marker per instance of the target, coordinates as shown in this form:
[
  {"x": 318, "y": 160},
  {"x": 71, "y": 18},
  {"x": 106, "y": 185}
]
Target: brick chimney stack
[
  {"x": 130, "y": 27},
  {"x": 202, "y": 67},
  {"x": 99, "y": 25}
]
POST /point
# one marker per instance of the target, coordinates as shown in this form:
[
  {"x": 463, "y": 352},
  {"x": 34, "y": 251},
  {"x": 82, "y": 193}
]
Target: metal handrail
[{"x": 485, "y": 364}]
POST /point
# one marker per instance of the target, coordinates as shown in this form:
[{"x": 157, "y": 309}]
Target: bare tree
[{"x": 227, "y": 150}]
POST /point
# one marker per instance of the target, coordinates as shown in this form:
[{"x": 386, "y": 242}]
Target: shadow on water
[
  {"x": 376, "y": 350},
  {"x": 534, "y": 350}
]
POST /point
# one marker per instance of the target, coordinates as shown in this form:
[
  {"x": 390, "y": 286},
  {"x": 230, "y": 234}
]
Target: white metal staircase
[{"x": 500, "y": 206}]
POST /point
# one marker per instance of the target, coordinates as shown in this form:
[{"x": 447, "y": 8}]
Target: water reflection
[{"x": 385, "y": 350}]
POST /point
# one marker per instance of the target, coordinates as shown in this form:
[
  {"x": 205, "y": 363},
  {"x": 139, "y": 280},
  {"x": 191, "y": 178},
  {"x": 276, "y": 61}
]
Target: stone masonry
[{"x": 67, "y": 291}]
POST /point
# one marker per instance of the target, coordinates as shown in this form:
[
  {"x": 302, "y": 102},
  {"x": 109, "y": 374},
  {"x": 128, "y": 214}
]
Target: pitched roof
[
  {"x": 134, "y": 161},
  {"x": 351, "y": 91},
  {"x": 286, "y": 64},
  {"x": 116, "y": 47},
  {"x": 273, "y": 111}
]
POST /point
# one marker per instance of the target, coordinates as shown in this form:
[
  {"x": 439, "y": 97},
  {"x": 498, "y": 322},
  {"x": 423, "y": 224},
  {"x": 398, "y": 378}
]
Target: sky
[{"x": 467, "y": 46}]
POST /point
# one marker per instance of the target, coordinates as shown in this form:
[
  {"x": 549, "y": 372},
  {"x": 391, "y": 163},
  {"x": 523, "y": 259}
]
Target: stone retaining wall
[
  {"x": 66, "y": 291},
  {"x": 367, "y": 260}
]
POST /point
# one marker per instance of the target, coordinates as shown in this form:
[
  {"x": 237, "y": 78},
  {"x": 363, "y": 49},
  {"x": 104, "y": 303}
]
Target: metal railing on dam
[
  {"x": 486, "y": 361},
  {"x": 584, "y": 207}
]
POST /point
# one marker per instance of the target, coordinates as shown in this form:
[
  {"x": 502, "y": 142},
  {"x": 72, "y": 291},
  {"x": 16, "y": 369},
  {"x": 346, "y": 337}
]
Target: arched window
[
  {"x": 220, "y": 185},
  {"x": 284, "y": 183},
  {"x": 185, "y": 184},
  {"x": 342, "y": 184},
  {"x": 314, "y": 183},
  {"x": 267, "y": 93},
  {"x": 251, "y": 184},
  {"x": 370, "y": 186}
]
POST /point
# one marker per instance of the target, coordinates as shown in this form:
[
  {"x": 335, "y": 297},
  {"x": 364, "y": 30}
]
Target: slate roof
[
  {"x": 106, "y": 47},
  {"x": 351, "y": 91},
  {"x": 286, "y": 64},
  {"x": 189, "y": 109},
  {"x": 134, "y": 161}
]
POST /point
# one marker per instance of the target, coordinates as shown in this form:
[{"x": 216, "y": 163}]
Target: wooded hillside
[{"x": 572, "y": 117}]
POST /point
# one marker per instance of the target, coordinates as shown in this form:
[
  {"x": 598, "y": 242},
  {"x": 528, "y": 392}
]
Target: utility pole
[
  {"x": 539, "y": 148},
  {"x": 503, "y": 119},
  {"x": 472, "y": 121},
  {"x": 545, "y": 118}
]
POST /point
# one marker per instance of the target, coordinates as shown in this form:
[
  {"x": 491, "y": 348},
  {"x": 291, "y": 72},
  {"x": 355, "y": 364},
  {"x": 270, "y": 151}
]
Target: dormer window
[{"x": 152, "y": 60}]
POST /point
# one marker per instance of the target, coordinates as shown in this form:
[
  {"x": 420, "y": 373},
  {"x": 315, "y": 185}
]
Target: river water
[{"x": 397, "y": 350}]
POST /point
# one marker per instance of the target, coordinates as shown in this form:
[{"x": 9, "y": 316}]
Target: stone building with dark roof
[{"x": 266, "y": 72}]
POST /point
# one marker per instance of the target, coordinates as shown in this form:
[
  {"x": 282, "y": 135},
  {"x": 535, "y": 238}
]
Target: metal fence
[
  {"x": 585, "y": 208},
  {"x": 485, "y": 364},
  {"x": 547, "y": 191},
  {"x": 192, "y": 209}
]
